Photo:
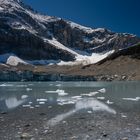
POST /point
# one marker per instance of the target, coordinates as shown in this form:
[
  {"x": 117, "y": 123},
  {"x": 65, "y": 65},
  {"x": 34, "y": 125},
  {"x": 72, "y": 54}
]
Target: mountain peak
[{"x": 22, "y": 30}]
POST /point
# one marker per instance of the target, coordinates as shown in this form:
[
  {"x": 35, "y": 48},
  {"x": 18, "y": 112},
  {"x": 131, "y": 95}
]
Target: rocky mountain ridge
[{"x": 31, "y": 36}]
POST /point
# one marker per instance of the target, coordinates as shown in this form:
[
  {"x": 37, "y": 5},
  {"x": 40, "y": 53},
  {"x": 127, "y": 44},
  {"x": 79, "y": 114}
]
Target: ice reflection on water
[
  {"x": 13, "y": 102},
  {"x": 71, "y": 96},
  {"x": 88, "y": 103}
]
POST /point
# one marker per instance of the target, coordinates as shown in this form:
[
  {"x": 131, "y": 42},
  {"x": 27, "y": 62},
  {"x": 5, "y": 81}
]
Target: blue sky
[{"x": 116, "y": 15}]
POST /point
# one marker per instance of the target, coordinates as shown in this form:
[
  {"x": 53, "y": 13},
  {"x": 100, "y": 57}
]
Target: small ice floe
[
  {"x": 66, "y": 103},
  {"x": 59, "y": 92},
  {"x": 41, "y": 103},
  {"x": 123, "y": 116},
  {"x": 41, "y": 100},
  {"x": 101, "y": 98},
  {"x": 26, "y": 106},
  {"x": 62, "y": 93},
  {"x": 61, "y": 104},
  {"x": 54, "y": 91},
  {"x": 6, "y": 85},
  {"x": 58, "y": 85},
  {"x": 21, "y": 86},
  {"x": 50, "y": 84},
  {"x": 103, "y": 90},
  {"x": 76, "y": 97},
  {"x": 49, "y": 107},
  {"x": 37, "y": 106},
  {"x": 89, "y": 112},
  {"x": 132, "y": 99},
  {"x": 30, "y": 103},
  {"x": 64, "y": 122},
  {"x": 28, "y": 89},
  {"x": 51, "y": 91},
  {"x": 66, "y": 100},
  {"x": 31, "y": 107},
  {"x": 108, "y": 102},
  {"x": 24, "y": 96},
  {"x": 90, "y": 94},
  {"x": 30, "y": 84}
]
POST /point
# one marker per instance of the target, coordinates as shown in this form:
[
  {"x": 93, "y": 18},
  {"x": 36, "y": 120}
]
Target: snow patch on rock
[{"x": 11, "y": 59}]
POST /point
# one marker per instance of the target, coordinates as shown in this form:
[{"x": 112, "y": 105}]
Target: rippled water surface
[{"x": 88, "y": 97}]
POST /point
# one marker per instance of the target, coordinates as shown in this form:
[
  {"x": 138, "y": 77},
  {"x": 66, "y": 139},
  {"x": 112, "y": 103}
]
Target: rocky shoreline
[
  {"x": 78, "y": 127},
  {"x": 13, "y": 76}
]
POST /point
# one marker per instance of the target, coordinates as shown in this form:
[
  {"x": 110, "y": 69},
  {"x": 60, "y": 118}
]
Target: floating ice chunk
[
  {"x": 21, "y": 86},
  {"x": 76, "y": 97},
  {"x": 66, "y": 103},
  {"x": 132, "y": 99},
  {"x": 66, "y": 100},
  {"x": 30, "y": 84},
  {"x": 89, "y": 112},
  {"x": 6, "y": 85},
  {"x": 31, "y": 107},
  {"x": 26, "y": 105},
  {"x": 41, "y": 100},
  {"x": 101, "y": 98},
  {"x": 24, "y": 96},
  {"x": 123, "y": 116},
  {"x": 90, "y": 94},
  {"x": 50, "y": 91},
  {"x": 30, "y": 103},
  {"x": 103, "y": 90},
  {"x": 58, "y": 85},
  {"x": 41, "y": 103},
  {"x": 59, "y": 92},
  {"x": 93, "y": 93},
  {"x": 37, "y": 106},
  {"x": 61, "y": 104},
  {"x": 49, "y": 107},
  {"x": 28, "y": 89},
  {"x": 51, "y": 84},
  {"x": 54, "y": 91},
  {"x": 62, "y": 93},
  {"x": 108, "y": 102}
]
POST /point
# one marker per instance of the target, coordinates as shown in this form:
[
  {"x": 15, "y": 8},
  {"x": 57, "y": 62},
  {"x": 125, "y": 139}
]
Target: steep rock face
[
  {"x": 22, "y": 35},
  {"x": 32, "y": 36},
  {"x": 91, "y": 40}
]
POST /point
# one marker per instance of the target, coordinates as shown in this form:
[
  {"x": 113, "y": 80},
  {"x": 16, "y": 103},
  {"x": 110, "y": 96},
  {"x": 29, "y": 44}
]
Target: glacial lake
[{"x": 73, "y": 97}]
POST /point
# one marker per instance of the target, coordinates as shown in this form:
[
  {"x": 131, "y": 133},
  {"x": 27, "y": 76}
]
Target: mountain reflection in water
[{"x": 90, "y": 103}]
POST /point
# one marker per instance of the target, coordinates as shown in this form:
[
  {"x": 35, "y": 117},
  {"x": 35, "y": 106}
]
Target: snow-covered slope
[
  {"x": 11, "y": 59},
  {"x": 42, "y": 39}
]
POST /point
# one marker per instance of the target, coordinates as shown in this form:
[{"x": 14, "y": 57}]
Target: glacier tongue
[{"x": 86, "y": 60}]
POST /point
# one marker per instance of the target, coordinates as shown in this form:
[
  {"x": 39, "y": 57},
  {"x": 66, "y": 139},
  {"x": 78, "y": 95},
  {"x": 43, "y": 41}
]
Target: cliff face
[{"x": 32, "y": 36}]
